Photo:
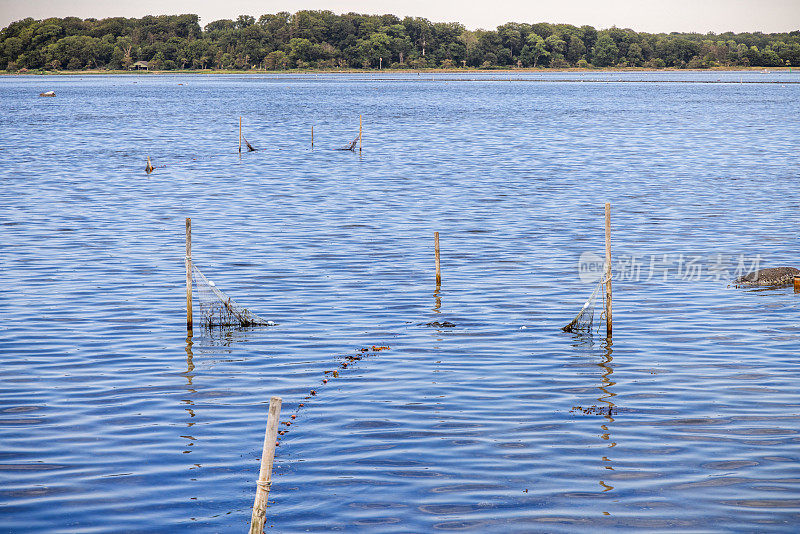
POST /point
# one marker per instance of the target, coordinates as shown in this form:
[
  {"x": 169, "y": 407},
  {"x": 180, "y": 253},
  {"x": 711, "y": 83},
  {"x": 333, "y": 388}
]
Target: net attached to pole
[
  {"x": 582, "y": 323},
  {"x": 219, "y": 310}
]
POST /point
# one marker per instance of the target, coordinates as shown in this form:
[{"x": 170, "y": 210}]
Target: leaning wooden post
[
  {"x": 608, "y": 269},
  {"x": 188, "y": 274},
  {"x": 240, "y": 134},
  {"x": 436, "y": 253},
  {"x": 265, "y": 473},
  {"x": 359, "y": 133}
]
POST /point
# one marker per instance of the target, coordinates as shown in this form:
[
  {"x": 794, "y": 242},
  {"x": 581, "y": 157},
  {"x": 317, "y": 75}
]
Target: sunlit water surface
[{"x": 112, "y": 421}]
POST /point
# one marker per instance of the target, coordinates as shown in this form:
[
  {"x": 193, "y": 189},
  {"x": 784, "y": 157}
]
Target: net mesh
[
  {"x": 584, "y": 321},
  {"x": 219, "y": 310}
]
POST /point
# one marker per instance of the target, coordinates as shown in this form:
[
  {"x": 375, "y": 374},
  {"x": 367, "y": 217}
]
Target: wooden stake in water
[
  {"x": 265, "y": 473},
  {"x": 608, "y": 269},
  {"x": 149, "y": 167},
  {"x": 438, "y": 265},
  {"x": 312, "y": 136},
  {"x": 240, "y": 135},
  {"x": 188, "y": 274},
  {"x": 359, "y": 133}
]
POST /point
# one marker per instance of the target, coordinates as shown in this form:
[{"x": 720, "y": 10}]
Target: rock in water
[
  {"x": 774, "y": 276},
  {"x": 48, "y": 93}
]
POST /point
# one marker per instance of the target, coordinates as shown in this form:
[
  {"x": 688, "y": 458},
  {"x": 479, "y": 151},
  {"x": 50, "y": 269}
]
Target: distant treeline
[{"x": 324, "y": 40}]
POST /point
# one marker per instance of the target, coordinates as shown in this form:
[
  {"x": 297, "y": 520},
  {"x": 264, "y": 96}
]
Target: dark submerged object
[
  {"x": 249, "y": 146},
  {"x": 774, "y": 276},
  {"x": 444, "y": 324}
]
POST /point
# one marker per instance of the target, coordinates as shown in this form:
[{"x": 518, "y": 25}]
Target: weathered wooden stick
[
  {"x": 240, "y": 134},
  {"x": 149, "y": 167},
  {"x": 312, "y": 136},
  {"x": 438, "y": 266},
  {"x": 796, "y": 280},
  {"x": 188, "y": 274},
  {"x": 608, "y": 269},
  {"x": 359, "y": 133},
  {"x": 265, "y": 473}
]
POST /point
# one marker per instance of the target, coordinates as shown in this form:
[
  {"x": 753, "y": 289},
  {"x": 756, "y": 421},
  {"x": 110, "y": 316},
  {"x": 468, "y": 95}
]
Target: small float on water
[
  {"x": 771, "y": 277},
  {"x": 48, "y": 93}
]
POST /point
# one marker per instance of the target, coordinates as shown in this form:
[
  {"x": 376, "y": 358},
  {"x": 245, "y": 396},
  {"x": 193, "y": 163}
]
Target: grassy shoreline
[{"x": 387, "y": 71}]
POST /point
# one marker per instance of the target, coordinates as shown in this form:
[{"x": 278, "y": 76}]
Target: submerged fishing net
[
  {"x": 351, "y": 147},
  {"x": 219, "y": 310},
  {"x": 249, "y": 146},
  {"x": 585, "y": 319}
]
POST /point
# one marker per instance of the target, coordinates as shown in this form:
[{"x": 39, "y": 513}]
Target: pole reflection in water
[
  {"x": 607, "y": 411},
  {"x": 189, "y": 362},
  {"x": 438, "y": 289},
  {"x": 189, "y": 374}
]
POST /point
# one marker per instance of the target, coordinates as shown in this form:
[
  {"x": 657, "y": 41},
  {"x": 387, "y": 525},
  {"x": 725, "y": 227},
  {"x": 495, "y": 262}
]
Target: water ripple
[{"x": 109, "y": 415}]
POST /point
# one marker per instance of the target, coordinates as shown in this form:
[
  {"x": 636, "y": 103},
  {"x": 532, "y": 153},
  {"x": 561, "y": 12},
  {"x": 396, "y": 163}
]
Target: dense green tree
[
  {"x": 323, "y": 39},
  {"x": 555, "y": 45},
  {"x": 199, "y": 53},
  {"x": 276, "y": 60},
  {"x": 80, "y": 51},
  {"x": 605, "y": 51},
  {"x": 542, "y": 29},
  {"x": 589, "y": 36},
  {"x": 472, "y": 55},
  {"x": 576, "y": 49},
  {"x": 534, "y": 51},
  {"x": 511, "y": 37},
  {"x": 635, "y": 55}
]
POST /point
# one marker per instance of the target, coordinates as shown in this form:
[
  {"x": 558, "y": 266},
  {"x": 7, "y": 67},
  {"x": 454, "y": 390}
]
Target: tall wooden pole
[
  {"x": 359, "y": 133},
  {"x": 240, "y": 134},
  {"x": 608, "y": 269},
  {"x": 438, "y": 265},
  {"x": 188, "y": 274},
  {"x": 312, "y": 136},
  {"x": 265, "y": 473}
]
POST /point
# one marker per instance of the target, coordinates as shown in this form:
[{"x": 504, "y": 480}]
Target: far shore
[{"x": 386, "y": 71}]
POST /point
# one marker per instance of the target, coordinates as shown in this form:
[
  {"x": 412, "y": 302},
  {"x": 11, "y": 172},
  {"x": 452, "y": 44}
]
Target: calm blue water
[{"x": 111, "y": 420}]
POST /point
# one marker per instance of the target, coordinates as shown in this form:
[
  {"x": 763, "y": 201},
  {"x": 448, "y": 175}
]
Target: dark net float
[{"x": 774, "y": 276}]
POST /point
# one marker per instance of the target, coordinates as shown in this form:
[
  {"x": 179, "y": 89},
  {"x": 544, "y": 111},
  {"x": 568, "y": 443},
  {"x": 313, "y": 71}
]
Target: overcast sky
[{"x": 642, "y": 15}]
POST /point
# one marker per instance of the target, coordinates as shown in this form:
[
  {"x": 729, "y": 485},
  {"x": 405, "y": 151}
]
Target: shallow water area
[{"x": 689, "y": 420}]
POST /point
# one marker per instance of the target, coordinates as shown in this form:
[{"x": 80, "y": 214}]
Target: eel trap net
[
  {"x": 584, "y": 321},
  {"x": 219, "y": 310}
]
